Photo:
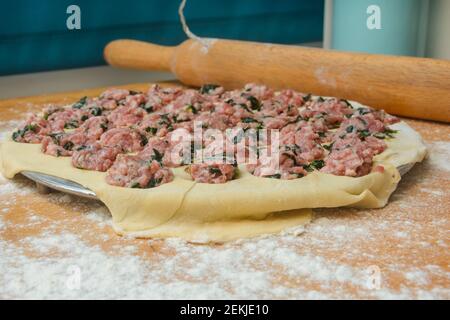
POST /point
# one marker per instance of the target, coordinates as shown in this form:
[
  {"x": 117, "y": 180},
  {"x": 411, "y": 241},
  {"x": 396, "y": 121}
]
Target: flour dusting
[{"x": 439, "y": 155}]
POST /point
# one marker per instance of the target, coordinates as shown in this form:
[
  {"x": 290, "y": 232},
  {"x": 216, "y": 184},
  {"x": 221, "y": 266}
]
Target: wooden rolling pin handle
[
  {"x": 406, "y": 86},
  {"x": 139, "y": 55}
]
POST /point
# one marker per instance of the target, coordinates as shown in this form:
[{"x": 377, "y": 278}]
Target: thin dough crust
[{"x": 246, "y": 207}]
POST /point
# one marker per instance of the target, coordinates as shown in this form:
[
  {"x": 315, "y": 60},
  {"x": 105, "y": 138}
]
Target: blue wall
[{"x": 34, "y": 37}]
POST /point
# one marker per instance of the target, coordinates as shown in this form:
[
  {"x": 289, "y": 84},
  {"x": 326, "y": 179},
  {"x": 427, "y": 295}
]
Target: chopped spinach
[
  {"x": 349, "y": 129},
  {"x": 328, "y": 146},
  {"x": 364, "y": 133},
  {"x": 363, "y": 111},
  {"x": 154, "y": 182},
  {"x": 274, "y": 176},
  {"x": 347, "y": 103},
  {"x": 68, "y": 145},
  {"x": 249, "y": 120},
  {"x": 254, "y": 103},
  {"x": 389, "y": 132},
  {"x": 56, "y": 137},
  {"x": 144, "y": 140},
  {"x": 148, "y": 108},
  {"x": 164, "y": 119},
  {"x": 21, "y": 132},
  {"x": 157, "y": 156},
  {"x": 96, "y": 111},
  {"x": 314, "y": 165},
  {"x": 80, "y": 148},
  {"x": 72, "y": 124},
  {"x": 207, "y": 88},
  {"x": 151, "y": 130},
  {"x": 292, "y": 147},
  {"x": 214, "y": 171},
  {"x": 191, "y": 108},
  {"x": 245, "y": 107},
  {"x": 80, "y": 103}
]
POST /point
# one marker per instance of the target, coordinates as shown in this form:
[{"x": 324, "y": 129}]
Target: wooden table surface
[{"x": 59, "y": 246}]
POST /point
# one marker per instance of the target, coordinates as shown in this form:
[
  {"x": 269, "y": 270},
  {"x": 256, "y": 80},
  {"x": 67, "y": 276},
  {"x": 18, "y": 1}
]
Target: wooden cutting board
[{"x": 405, "y": 243}]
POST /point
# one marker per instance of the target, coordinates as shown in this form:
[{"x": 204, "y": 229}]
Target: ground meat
[
  {"x": 212, "y": 173},
  {"x": 211, "y": 90},
  {"x": 159, "y": 97},
  {"x": 125, "y": 116},
  {"x": 347, "y": 162},
  {"x": 136, "y": 100},
  {"x": 289, "y": 98},
  {"x": 129, "y": 140},
  {"x": 364, "y": 124},
  {"x": 261, "y": 92},
  {"x": 95, "y": 157},
  {"x": 278, "y": 166},
  {"x": 107, "y": 104},
  {"x": 58, "y": 144},
  {"x": 68, "y": 119},
  {"x": 49, "y": 110},
  {"x": 315, "y": 133},
  {"x": 276, "y": 122},
  {"x": 135, "y": 172},
  {"x": 380, "y": 115},
  {"x": 90, "y": 131},
  {"x": 213, "y": 120},
  {"x": 180, "y": 150},
  {"x": 115, "y": 94},
  {"x": 61, "y": 144},
  {"x": 157, "y": 149},
  {"x": 150, "y": 124},
  {"x": 303, "y": 145},
  {"x": 352, "y": 156},
  {"x": 332, "y": 110},
  {"x": 33, "y": 130},
  {"x": 188, "y": 98}
]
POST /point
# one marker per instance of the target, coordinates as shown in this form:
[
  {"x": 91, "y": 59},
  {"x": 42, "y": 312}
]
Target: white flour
[
  {"x": 440, "y": 155},
  {"x": 249, "y": 269}
]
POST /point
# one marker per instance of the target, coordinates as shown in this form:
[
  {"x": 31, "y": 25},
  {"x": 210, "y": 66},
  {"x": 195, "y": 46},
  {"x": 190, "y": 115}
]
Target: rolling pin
[{"x": 405, "y": 86}]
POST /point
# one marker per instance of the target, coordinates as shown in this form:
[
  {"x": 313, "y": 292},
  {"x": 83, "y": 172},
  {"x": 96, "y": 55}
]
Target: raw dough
[{"x": 245, "y": 207}]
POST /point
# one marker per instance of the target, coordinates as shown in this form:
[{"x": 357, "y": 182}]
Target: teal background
[
  {"x": 399, "y": 21},
  {"x": 34, "y": 37}
]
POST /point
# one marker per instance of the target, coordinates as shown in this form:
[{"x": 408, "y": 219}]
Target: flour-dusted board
[{"x": 400, "y": 251}]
